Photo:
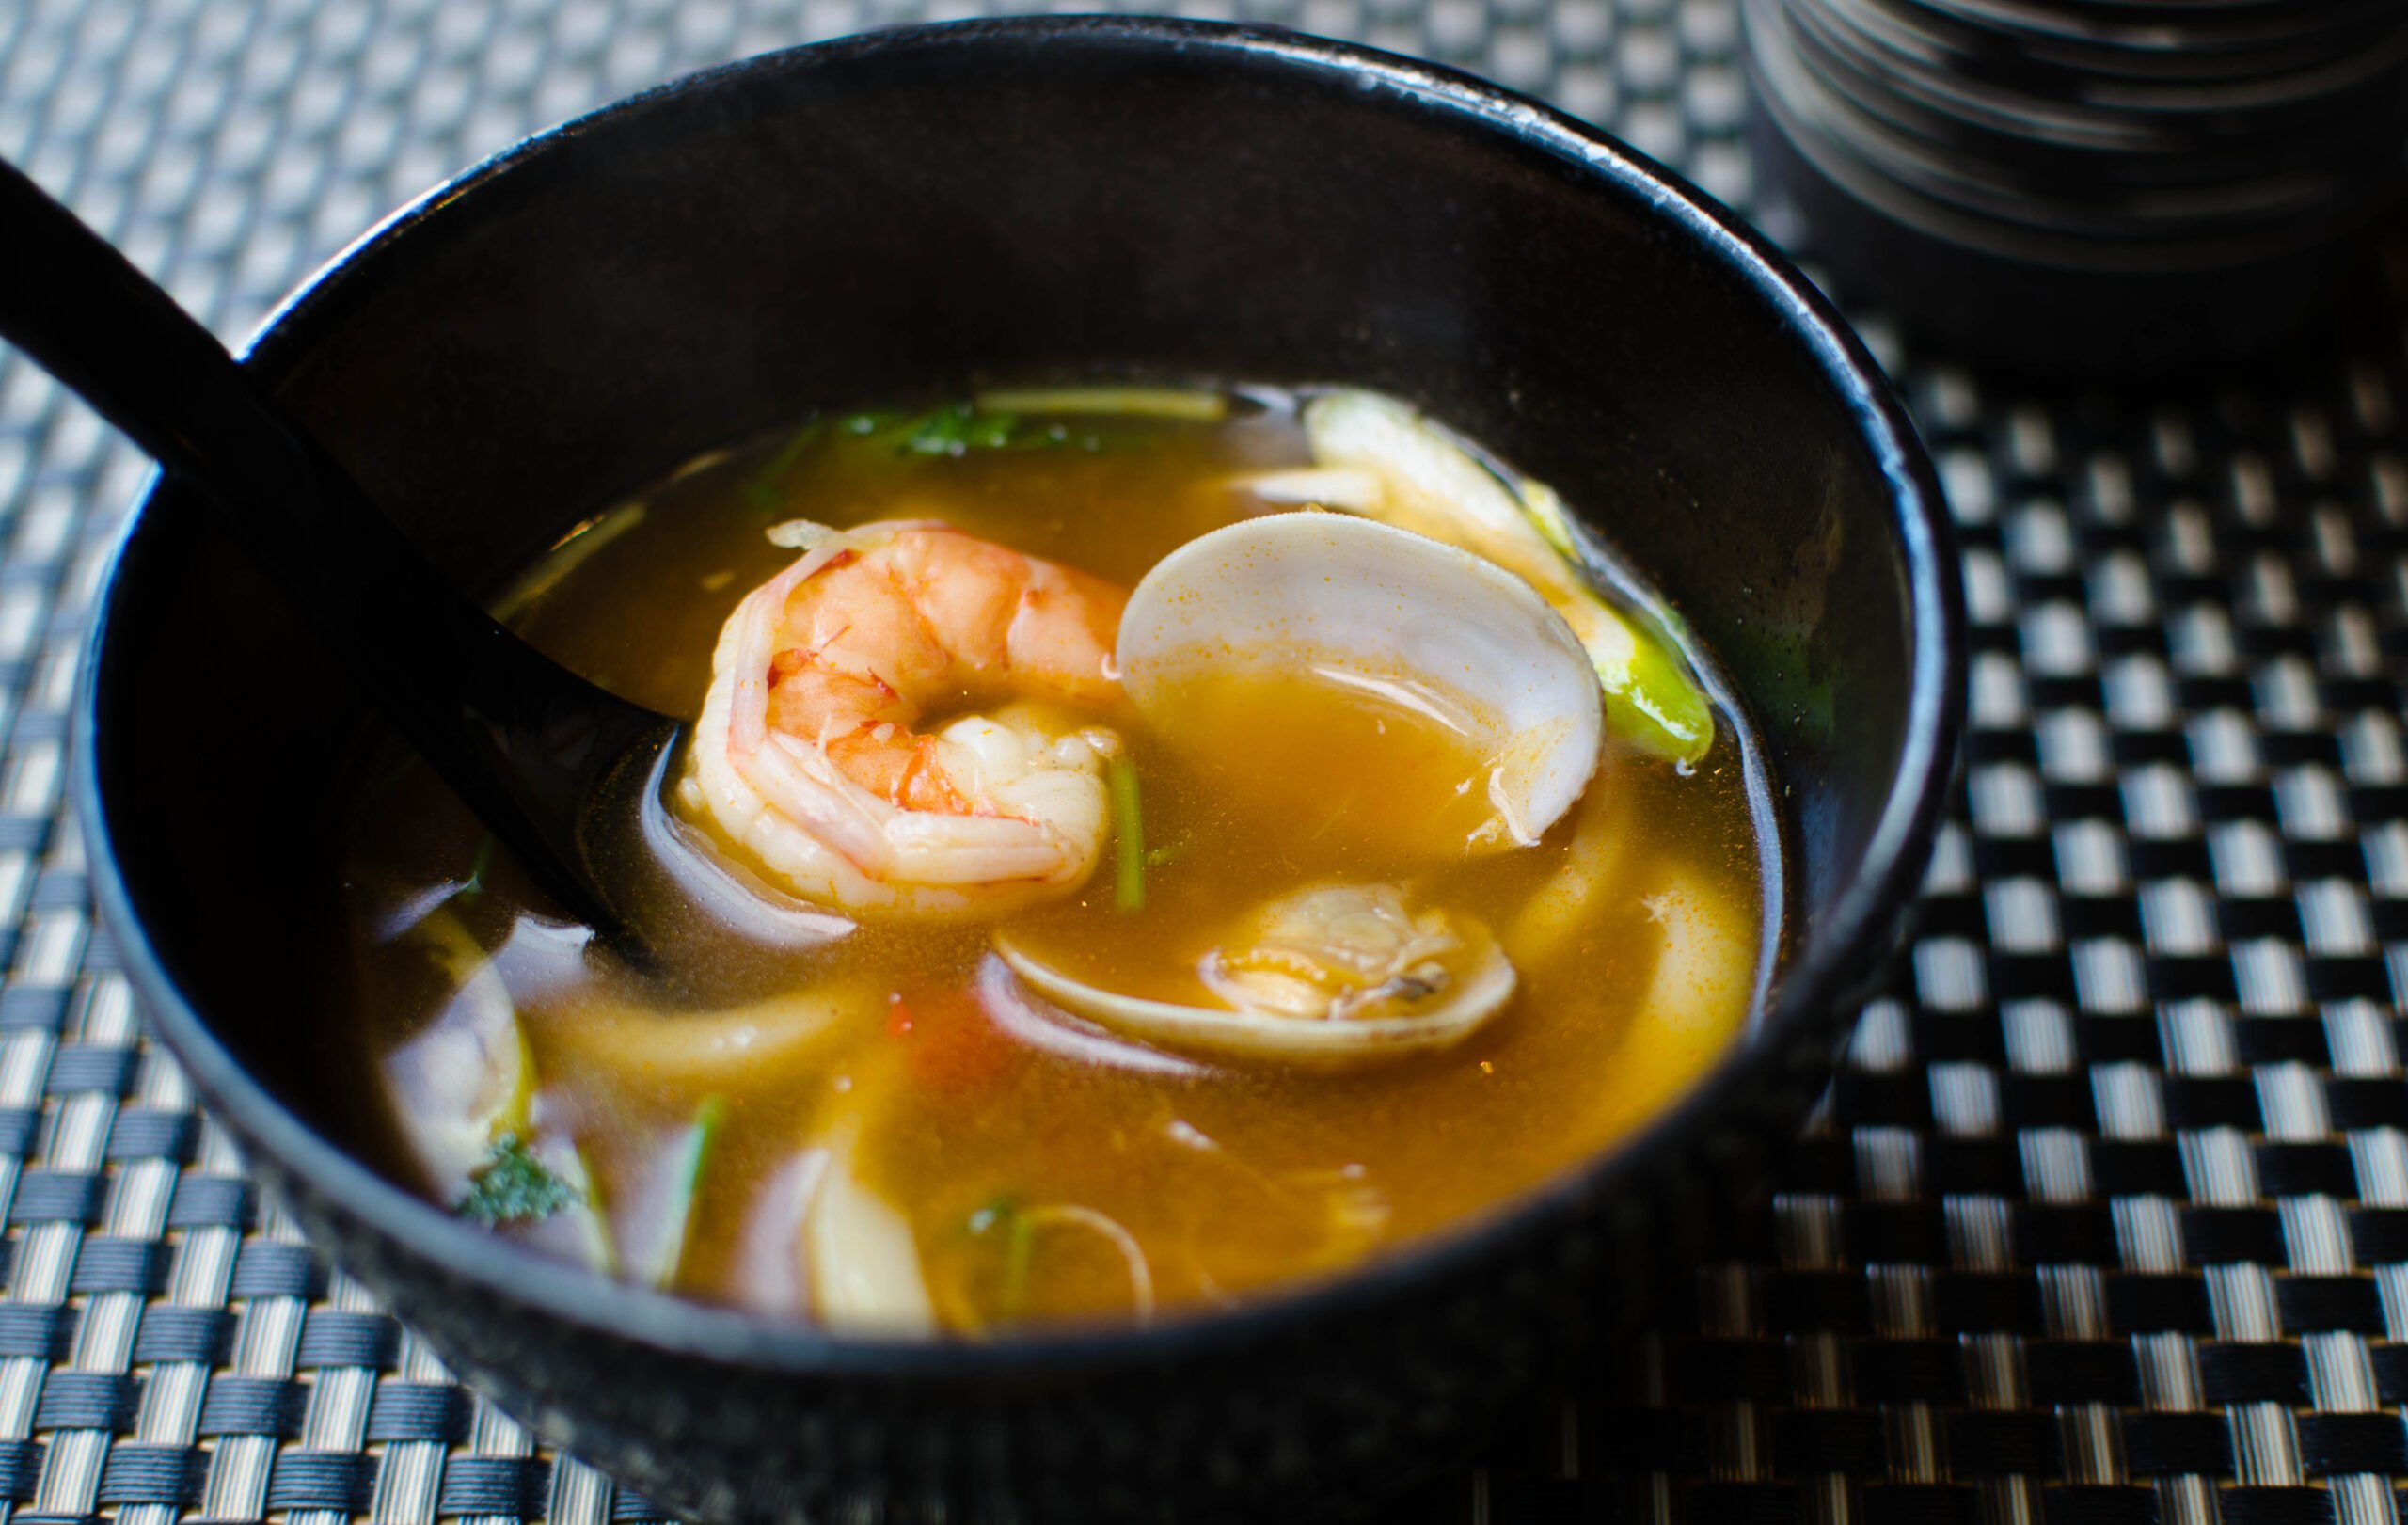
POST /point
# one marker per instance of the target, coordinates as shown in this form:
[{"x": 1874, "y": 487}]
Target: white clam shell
[
  {"x": 1384, "y": 603},
  {"x": 1214, "y": 1033}
]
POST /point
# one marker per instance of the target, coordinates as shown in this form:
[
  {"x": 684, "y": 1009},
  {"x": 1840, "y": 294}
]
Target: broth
[{"x": 897, "y": 1095}]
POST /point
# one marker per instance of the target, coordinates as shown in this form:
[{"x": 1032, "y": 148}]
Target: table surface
[{"x": 2106, "y": 1219}]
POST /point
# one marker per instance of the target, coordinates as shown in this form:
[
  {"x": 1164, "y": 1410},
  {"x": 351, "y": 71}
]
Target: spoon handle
[{"x": 521, "y": 740}]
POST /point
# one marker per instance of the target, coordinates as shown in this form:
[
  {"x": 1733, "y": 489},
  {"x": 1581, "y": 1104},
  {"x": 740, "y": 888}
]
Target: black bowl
[{"x": 925, "y": 206}]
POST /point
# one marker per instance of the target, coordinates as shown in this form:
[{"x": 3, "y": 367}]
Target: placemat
[{"x": 2106, "y": 1219}]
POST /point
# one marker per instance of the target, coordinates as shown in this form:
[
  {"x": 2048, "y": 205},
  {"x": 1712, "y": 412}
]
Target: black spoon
[{"x": 558, "y": 769}]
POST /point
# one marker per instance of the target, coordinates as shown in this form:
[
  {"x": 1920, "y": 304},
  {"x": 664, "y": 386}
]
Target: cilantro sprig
[{"x": 513, "y": 1186}]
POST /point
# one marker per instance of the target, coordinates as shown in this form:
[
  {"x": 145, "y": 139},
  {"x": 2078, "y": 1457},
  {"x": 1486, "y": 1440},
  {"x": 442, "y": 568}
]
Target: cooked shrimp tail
[{"x": 807, "y": 755}]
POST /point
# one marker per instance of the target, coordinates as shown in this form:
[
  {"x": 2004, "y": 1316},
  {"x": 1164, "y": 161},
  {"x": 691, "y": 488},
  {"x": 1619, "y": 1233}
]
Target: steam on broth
[{"x": 1233, "y": 836}]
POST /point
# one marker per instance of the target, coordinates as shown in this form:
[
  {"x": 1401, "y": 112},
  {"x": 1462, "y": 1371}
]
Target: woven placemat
[{"x": 2106, "y": 1220}]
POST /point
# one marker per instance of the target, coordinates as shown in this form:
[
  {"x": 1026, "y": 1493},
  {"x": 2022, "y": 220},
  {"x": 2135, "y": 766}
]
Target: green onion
[
  {"x": 475, "y": 883},
  {"x": 1019, "y": 1246},
  {"x": 709, "y": 1119},
  {"x": 593, "y": 1223},
  {"x": 996, "y": 1209},
  {"x": 1661, "y": 709},
  {"x": 761, "y": 489},
  {"x": 1017, "y": 1254},
  {"x": 1128, "y": 402},
  {"x": 1129, "y": 838}
]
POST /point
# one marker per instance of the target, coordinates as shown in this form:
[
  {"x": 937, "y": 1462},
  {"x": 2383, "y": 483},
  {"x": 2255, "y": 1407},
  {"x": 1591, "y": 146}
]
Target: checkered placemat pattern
[{"x": 2106, "y": 1219}]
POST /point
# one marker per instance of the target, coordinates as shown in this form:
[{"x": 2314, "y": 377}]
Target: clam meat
[{"x": 1333, "y": 975}]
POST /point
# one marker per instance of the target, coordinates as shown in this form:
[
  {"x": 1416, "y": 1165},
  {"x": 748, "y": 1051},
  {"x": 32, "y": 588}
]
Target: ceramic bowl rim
[{"x": 1856, "y": 926}]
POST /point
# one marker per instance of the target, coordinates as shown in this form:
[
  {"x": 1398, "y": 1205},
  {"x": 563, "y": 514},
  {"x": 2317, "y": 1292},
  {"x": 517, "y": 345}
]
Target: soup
[{"x": 1217, "y": 837}]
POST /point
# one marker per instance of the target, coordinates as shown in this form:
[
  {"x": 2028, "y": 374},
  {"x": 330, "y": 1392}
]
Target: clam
[
  {"x": 1370, "y": 607},
  {"x": 1331, "y": 976}
]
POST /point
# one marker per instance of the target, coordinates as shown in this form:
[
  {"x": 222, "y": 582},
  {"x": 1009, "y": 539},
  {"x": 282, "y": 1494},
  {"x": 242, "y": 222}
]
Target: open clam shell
[
  {"x": 1477, "y": 982},
  {"x": 1380, "y": 606}
]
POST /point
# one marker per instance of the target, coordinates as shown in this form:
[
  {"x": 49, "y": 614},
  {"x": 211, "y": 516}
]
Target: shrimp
[{"x": 806, "y": 754}]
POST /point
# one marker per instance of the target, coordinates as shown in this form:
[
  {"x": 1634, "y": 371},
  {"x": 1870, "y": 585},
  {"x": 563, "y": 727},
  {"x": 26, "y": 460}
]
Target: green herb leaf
[
  {"x": 944, "y": 431},
  {"x": 1129, "y": 837},
  {"x": 962, "y": 428},
  {"x": 957, "y": 429},
  {"x": 513, "y": 1186}
]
